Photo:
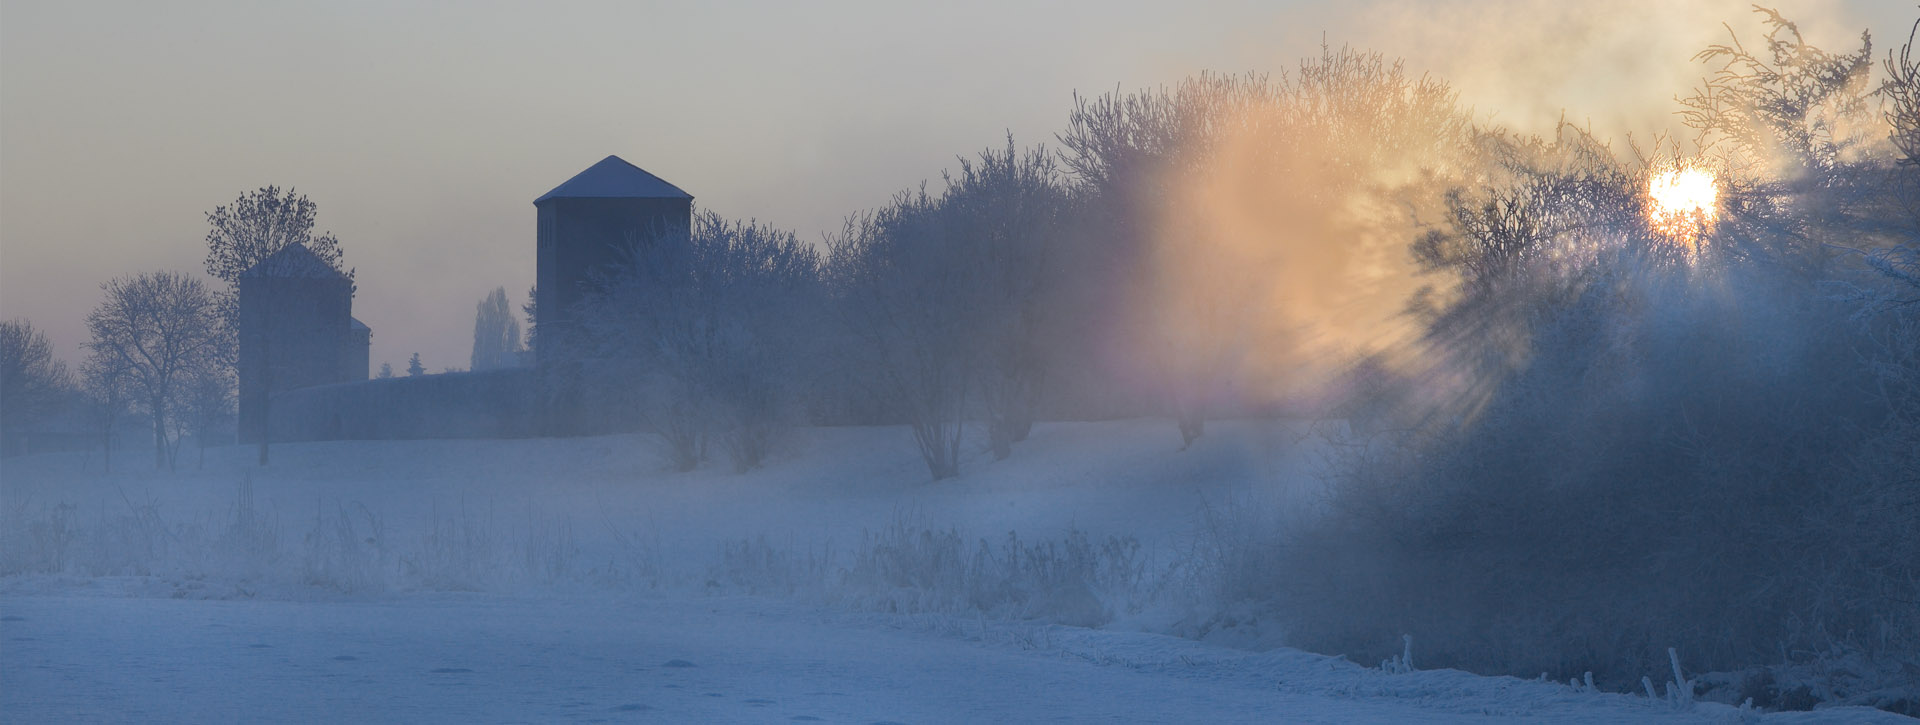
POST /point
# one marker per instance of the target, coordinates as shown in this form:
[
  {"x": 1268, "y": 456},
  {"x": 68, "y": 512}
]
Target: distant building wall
[{"x": 487, "y": 404}]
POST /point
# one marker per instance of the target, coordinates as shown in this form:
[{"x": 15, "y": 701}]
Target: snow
[
  {"x": 575, "y": 580},
  {"x": 483, "y": 658}
]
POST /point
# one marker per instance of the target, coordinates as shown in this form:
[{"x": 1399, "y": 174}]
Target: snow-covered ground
[{"x": 562, "y": 580}]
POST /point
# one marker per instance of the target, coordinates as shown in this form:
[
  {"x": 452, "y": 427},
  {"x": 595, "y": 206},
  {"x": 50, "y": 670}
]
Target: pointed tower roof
[
  {"x": 294, "y": 261},
  {"x": 614, "y": 178}
]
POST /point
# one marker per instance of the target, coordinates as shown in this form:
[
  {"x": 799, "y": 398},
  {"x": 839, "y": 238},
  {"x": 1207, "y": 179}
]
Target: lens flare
[{"x": 1685, "y": 204}]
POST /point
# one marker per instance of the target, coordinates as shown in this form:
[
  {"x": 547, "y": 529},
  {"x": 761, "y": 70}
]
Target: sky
[{"x": 424, "y": 130}]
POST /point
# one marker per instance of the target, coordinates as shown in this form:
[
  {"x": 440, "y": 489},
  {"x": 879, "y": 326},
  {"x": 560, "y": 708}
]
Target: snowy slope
[{"x": 449, "y": 658}]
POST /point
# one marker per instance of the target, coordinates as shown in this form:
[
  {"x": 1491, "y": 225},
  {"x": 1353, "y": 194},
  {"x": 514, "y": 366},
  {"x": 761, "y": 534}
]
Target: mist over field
[{"x": 1487, "y": 360}]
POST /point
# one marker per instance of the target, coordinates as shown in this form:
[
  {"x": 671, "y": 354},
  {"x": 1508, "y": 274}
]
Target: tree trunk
[
  {"x": 1000, "y": 438},
  {"x": 1191, "y": 427},
  {"x": 159, "y": 434},
  {"x": 1023, "y": 425}
]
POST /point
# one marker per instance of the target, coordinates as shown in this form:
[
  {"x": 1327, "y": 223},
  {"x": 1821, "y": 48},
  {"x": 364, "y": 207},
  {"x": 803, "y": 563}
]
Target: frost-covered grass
[
  {"x": 349, "y": 548},
  {"x": 844, "y": 510},
  {"x": 240, "y": 550},
  {"x": 1101, "y": 525},
  {"x": 908, "y": 569}
]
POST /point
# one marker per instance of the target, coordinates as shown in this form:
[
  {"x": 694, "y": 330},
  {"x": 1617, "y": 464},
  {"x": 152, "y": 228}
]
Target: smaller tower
[{"x": 296, "y": 330}]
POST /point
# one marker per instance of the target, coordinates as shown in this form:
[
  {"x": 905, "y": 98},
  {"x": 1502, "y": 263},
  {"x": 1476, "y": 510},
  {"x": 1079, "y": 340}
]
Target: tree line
[{"x": 1571, "y": 439}]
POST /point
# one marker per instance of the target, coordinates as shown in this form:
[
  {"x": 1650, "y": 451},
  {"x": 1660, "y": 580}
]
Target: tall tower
[
  {"x": 584, "y": 225},
  {"x": 296, "y": 330}
]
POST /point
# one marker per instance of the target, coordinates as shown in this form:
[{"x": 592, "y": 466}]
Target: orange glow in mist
[{"x": 1685, "y": 204}]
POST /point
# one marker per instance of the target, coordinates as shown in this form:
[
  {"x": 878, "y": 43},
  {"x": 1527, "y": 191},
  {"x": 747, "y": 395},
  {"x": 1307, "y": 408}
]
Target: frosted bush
[{"x": 909, "y": 569}]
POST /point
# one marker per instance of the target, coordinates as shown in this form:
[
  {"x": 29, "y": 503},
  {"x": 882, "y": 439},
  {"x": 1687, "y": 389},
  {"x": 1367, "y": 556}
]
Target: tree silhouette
[{"x": 260, "y": 223}]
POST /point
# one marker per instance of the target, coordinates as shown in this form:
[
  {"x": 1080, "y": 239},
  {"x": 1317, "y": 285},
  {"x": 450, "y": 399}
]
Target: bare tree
[
  {"x": 496, "y": 334},
  {"x": 1007, "y": 210},
  {"x": 208, "y": 406},
  {"x": 32, "y": 382},
  {"x": 1784, "y": 106},
  {"x": 165, "y": 329},
  {"x": 1902, "y": 90},
  {"x": 904, "y": 289},
  {"x": 1797, "y": 123},
  {"x": 1216, "y": 189},
  {"x": 950, "y": 297},
  {"x": 260, "y": 223},
  {"x": 707, "y": 329},
  {"x": 104, "y": 380}
]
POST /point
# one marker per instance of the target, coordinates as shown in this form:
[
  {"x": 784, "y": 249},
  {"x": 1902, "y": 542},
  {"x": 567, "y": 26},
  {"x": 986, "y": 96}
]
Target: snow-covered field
[{"x": 577, "y": 580}]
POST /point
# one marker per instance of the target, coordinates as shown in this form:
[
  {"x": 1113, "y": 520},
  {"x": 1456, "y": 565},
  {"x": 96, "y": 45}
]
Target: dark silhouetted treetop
[
  {"x": 261, "y": 223},
  {"x": 32, "y": 380},
  {"x": 614, "y": 178}
]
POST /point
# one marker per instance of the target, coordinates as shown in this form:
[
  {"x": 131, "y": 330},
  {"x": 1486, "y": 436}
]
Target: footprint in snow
[
  {"x": 679, "y": 663},
  {"x": 632, "y": 707},
  {"x": 450, "y": 670}
]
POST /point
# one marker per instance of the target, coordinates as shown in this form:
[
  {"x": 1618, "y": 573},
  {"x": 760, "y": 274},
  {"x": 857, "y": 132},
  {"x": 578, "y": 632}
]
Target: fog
[{"x": 1563, "y": 361}]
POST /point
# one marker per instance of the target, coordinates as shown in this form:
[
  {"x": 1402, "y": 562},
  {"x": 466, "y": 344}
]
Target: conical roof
[
  {"x": 294, "y": 261},
  {"x": 614, "y": 178}
]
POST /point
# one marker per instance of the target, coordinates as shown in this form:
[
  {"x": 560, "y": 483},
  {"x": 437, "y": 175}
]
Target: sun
[{"x": 1685, "y": 204}]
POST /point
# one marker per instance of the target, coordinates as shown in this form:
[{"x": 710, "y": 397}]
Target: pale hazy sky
[{"x": 425, "y": 130}]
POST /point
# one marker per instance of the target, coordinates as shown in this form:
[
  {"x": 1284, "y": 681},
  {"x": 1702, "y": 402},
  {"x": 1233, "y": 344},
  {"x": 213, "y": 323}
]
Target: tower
[
  {"x": 583, "y": 226},
  {"x": 296, "y": 330}
]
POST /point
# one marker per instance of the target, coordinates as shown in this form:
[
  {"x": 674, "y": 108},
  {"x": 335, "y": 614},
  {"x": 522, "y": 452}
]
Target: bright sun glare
[{"x": 1685, "y": 205}]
